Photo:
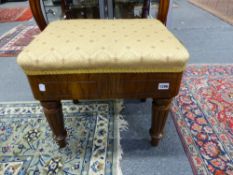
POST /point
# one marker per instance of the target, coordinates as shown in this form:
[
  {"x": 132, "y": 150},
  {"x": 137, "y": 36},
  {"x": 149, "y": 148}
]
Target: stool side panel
[{"x": 105, "y": 86}]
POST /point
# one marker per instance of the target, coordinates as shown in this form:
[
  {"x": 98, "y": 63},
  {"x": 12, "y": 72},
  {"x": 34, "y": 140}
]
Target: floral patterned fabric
[
  {"x": 203, "y": 115},
  {"x": 27, "y": 145}
]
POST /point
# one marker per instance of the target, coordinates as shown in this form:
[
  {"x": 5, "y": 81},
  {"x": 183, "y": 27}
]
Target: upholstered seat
[{"x": 103, "y": 46}]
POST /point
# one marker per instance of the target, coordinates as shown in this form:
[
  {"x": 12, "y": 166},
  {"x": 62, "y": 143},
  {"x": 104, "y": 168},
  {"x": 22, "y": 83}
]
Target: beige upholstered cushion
[{"x": 98, "y": 46}]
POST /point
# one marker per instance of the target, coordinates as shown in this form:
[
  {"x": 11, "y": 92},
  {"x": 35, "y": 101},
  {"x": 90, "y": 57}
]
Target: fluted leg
[
  {"x": 54, "y": 115},
  {"x": 160, "y": 109}
]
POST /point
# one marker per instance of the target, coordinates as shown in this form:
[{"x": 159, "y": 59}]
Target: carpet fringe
[{"x": 120, "y": 125}]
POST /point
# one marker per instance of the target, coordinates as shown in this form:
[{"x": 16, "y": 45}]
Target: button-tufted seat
[{"x": 104, "y": 46}]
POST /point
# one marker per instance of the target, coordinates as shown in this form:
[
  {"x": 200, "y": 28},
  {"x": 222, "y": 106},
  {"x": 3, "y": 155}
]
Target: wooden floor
[{"x": 220, "y": 8}]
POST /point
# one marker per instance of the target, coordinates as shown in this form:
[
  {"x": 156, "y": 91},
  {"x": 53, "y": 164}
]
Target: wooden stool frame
[{"x": 161, "y": 87}]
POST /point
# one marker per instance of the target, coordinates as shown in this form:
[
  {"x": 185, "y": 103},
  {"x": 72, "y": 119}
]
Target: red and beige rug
[
  {"x": 12, "y": 42},
  {"x": 15, "y": 14},
  {"x": 203, "y": 115}
]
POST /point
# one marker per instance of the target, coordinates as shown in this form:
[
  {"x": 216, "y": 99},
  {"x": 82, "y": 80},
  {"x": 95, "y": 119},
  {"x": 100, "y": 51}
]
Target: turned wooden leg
[
  {"x": 54, "y": 115},
  {"x": 160, "y": 109}
]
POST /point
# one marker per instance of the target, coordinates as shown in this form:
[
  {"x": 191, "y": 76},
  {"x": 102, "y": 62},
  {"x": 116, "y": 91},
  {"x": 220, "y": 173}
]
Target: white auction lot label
[
  {"x": 163, "y": 86},
  {"x": 42, "y": 87}
]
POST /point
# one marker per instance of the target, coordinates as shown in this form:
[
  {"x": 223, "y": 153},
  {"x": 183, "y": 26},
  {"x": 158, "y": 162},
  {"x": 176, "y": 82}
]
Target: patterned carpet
[
  {"x": 12, "y": 42},
  {"x": 203, "y": 115},
  {"x": 27, "y": 145},
  {"x": 15, "y": 14}
]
